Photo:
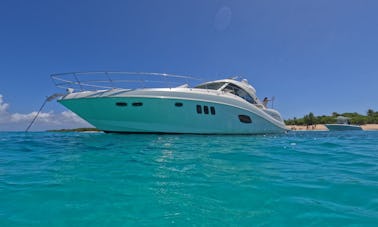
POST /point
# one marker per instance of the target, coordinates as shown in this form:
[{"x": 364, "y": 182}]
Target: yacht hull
[
  {"x": 171, "y": 115},
  {"x": 342, "y": 127}
]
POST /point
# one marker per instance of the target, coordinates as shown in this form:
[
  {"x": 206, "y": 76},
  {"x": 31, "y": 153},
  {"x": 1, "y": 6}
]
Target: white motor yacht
[
  {"x": 226, "y": 106},
  {"x": 342, "y": 124}
]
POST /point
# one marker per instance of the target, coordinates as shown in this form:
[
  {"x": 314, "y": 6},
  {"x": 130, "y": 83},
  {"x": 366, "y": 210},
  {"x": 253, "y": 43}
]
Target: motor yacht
[
  {"x": 225, "y": 106},
  {"x": 342, "y": 124}
]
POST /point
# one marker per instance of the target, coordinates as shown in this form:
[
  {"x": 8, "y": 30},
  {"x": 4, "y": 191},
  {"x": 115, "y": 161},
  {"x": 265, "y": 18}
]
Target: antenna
[{"x": 272, "y": 99}]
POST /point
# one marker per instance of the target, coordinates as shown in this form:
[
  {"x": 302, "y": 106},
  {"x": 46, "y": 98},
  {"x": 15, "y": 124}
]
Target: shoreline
[{"x": 322, "y": 127}]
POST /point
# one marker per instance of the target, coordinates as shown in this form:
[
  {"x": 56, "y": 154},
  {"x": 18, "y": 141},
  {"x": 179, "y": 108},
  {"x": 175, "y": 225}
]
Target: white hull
[
  {"x": 342, "y": 127},
  {"x": 171, "y": 111}
]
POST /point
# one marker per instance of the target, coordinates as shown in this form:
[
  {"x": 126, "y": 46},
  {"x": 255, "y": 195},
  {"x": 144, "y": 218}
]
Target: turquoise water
[{"x": 96, "y": 179}]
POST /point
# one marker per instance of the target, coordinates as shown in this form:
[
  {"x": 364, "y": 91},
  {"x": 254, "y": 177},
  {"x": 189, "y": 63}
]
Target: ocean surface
[{"x": 97, "y": 179}]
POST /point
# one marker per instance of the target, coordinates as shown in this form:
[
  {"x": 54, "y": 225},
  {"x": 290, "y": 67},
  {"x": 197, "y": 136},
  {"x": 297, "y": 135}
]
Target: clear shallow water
[{"x": 95, "y": 179}]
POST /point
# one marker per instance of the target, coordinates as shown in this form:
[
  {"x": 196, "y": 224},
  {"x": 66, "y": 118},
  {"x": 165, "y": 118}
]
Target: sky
[{"x": 312, "y": 56}]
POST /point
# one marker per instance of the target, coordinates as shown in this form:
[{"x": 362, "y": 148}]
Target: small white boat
[
  {"x": 226, "y": 106},
  {"x": 342, "y": 124}
]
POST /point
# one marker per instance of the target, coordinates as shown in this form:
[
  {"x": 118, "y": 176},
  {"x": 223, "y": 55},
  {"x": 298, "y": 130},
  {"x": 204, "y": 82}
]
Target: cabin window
[
  {"x": 212, "y": 110},
  {"x": 199, "y": 109},
  {"x": 137, "y": 104},
  {"x": 245, "y": 119},
  {"x": 121, "y": 104},
  {"x": 206, "y": 109},
  {"x": 178, "y": 104}
]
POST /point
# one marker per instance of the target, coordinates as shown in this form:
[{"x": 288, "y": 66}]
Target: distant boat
[
  {"x": 226, "y": 106},
  {"x": 342, "y": 124}
]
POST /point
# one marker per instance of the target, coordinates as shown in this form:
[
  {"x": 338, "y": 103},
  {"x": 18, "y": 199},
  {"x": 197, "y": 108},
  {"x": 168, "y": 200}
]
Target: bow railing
[{"x": 95, "y": 80}]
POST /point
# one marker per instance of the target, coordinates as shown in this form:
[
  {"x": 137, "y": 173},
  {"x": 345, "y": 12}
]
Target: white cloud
[
  {"x": 46, "y": 120},
  {"x": 3, "y": 106},
  {"x": 71, "y": 116}
]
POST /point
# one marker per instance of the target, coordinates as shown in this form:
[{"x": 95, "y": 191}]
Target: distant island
[
  {"x": 371, "y": 117},
  {"x": 76, "y": 130},
  {"x": 312, "y": 122}
]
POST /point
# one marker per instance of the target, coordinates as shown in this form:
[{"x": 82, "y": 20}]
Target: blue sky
[{"x": 313, "y": 56}]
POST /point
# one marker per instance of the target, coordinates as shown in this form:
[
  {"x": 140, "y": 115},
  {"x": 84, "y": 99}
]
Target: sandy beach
[{"x": 320, "y": 127}]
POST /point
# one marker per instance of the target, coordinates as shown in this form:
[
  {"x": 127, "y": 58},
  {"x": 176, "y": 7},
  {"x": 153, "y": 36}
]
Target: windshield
[
  {"x": 211, "y": 86},
  {"x": 236, "y": 90}
]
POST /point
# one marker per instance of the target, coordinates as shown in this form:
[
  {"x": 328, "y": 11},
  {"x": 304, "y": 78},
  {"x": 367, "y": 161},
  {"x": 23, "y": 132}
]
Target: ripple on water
[{"x": 299, "y": 178}]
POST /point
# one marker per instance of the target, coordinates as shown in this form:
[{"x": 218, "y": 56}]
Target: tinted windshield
[
  {"x": 211, "y": 86},
  {"x": 236, "y": 90}
]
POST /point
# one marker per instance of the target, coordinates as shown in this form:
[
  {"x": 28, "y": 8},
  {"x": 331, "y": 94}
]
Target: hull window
[
  {"x": 137, "y": 104},
  {"x": 199, "y": 109},
  {"x": 121, "y": 104},
  {"x": 212, "y": 110},
  {"x": 178, "y": 104},
  {"x": 206, "y": 109},
  {"x": 245, "y": 119}
]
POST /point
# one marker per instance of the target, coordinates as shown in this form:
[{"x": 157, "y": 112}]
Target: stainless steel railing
[{"x": 94, "y": 80}]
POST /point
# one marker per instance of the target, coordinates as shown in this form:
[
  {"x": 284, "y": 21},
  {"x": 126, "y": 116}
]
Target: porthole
[
  {"x": 245, "y": 119},
  {"x": 137, "y": 104},
  {"x": 206, "y": 109},
  {"x": 199, "y": 109},
  {"x": 212, "y": 110},
  {"x": 121, "y": 104},
  {"x": 178, "y": 104}
]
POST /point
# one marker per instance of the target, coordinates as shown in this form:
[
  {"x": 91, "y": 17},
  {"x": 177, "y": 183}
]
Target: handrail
[{"x": 112, "y": 79}]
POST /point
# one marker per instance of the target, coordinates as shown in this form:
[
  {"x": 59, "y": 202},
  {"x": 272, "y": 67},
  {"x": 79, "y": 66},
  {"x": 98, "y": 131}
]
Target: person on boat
[{"x": 265, "y": 102}]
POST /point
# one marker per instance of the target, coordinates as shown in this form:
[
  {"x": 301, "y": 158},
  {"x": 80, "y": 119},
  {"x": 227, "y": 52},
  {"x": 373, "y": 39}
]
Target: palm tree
[{"x": 370, "y": 113}]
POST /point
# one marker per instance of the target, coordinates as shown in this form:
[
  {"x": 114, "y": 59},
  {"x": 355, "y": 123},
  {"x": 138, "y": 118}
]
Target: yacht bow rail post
[
  {"x": 48, "y": 99},
  {"x": 78, "y": 81},
  {"x": 110, "y": 79}
]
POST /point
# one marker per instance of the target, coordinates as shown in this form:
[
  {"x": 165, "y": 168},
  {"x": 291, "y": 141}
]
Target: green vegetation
[
  {"x": 371, "y": 117},
  {"x": 76, "y": 130}
]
